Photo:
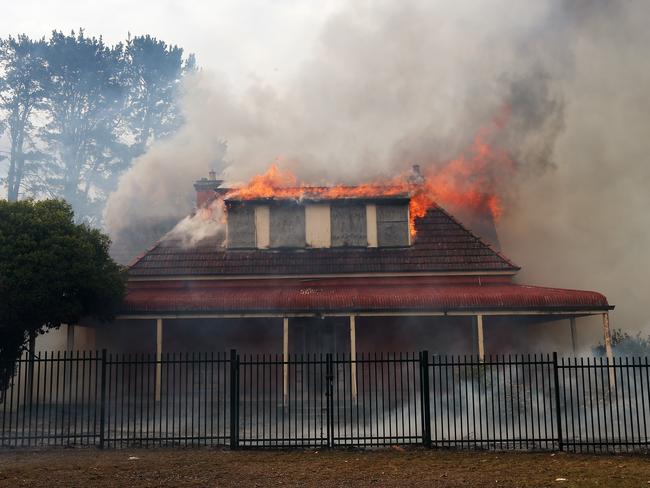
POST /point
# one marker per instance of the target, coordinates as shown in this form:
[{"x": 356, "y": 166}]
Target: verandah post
[
  {"x": 102, "y": 402},
  {"x": 479, "y": 337},
  {"x": 574, "y": 335},
  {"x": 608, "y": 349},
  {"x": 426, "y": 398},
  {"x": 558, "y": 412},
  {"x": 234, "y": 399}
]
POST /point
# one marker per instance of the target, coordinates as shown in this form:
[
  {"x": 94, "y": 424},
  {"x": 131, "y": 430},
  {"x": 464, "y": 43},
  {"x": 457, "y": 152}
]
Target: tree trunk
[{"x": 16, "y": 157}]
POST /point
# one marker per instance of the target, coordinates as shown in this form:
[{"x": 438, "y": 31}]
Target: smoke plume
[
  {"x": 390, "y": 84},
  {"x": 203, "y": 223}
]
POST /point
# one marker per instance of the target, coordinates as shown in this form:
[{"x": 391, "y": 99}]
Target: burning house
[{"x": 338, "y": 269}]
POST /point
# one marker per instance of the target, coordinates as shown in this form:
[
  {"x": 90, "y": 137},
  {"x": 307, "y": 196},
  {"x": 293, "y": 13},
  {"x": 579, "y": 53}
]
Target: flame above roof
[{"x": 323, "y": 193}]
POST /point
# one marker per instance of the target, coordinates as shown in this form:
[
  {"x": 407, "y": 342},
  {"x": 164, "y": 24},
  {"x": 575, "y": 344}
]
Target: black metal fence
[{"x": 502, "y": 402}]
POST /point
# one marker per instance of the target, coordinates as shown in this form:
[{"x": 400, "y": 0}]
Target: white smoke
[
  {"x": 389, "y": 84},
  {"x": 393, "y": 83},
  {"x": 205, "y": 222}
]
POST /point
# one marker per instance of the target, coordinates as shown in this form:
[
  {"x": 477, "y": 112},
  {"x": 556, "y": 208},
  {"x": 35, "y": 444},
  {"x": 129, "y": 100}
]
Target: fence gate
[
  {"x": 282, "y": 403},
  {"x": 377, "y": 400},
  {"x": 314, "y": 400}
]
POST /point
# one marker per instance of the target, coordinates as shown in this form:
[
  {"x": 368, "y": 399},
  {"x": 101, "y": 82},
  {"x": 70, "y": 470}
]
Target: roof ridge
[{"x": 477, "y": 237}]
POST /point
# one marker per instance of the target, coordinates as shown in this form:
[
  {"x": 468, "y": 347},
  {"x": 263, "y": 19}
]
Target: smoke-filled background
[
  {"x": 374, "y": 87},
  {"x": 389, "y": 84}
]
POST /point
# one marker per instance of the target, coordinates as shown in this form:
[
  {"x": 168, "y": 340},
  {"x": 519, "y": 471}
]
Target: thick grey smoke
[
  {"x": 392, "y": 83},
  {"x": 388, "y": 84},
  {"x": 586, "y": 224}
]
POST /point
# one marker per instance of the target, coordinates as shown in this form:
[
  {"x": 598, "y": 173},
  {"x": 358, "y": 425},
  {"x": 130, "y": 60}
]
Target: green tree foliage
[
  {"x": 22, "y": 62},
  {"x": 52, "y": 271},
  {"x": 154, "y": 70},
  {"x": 84, "y": 102},
  {"x": 77, "y": 111}
]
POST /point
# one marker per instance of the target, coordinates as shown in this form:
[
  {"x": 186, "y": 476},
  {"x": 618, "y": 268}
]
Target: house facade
[{"x": 323, "y": 274}]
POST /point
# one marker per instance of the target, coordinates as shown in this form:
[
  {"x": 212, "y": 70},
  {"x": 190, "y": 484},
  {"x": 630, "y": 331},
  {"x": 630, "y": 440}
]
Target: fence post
[
  {"x": 329, "y": 382},
  {"x": 234, "y": 399},
  {"x": 556, "y": 379},
  {"x": 426, "y": 398},
  {"x": 102, "y": 402}
]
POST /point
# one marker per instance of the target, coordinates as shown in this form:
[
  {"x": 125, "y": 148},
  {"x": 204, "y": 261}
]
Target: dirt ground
[{"x": 387, "y": 467}]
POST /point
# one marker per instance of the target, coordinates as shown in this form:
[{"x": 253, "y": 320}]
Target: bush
[{"x": 624, "y": 344}]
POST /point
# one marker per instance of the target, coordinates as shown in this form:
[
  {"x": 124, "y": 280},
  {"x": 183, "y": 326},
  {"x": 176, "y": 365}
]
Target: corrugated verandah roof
[
  {"x": 353, "y": 295},
  {"x": 442, "y": 244}
]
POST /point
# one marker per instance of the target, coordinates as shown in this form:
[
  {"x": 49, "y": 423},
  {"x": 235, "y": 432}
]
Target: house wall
[
  {"x": 84, "y": 338},
  {"x": 127, "y": 336},
  {"x": 319, "y": 335},
  {"x": 53, "y": 340},
  {"x": 439, "y": 335},
  {"x": 221, "y": 335},
  {"x": 522, "y": 335},
  {"x": 306, "y": 335}
]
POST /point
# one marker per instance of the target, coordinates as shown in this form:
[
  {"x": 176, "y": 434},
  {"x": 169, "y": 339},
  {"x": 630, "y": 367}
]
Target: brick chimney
[{"x": 207, "y": 189}]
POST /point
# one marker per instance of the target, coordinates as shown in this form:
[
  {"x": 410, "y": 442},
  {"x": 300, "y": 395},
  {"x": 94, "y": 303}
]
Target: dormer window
[
  {"x": 392, "y": 225},
  {"x": 241, "y": 226},
  {"x": 277, "y": 224},
  {"x": 287, "y": 225},
  {"x": 348, "y": 225}
]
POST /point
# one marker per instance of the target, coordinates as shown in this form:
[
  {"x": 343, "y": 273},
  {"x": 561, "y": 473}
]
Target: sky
[{"x": 240, "y": 39}]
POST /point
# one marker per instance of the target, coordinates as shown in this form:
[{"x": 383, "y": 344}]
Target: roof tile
[{"x": 441, "y": 244}]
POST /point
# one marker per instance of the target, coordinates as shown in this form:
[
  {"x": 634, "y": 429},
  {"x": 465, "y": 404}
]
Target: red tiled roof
[
  {"x": 442, "y": 244},
  {"x": 352, "y": 295}
]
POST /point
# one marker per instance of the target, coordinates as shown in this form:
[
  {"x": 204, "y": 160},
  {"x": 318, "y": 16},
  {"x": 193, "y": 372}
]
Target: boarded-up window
[
  {"x": 241, "y": 226},
  {"x": 287, "y": 225},
  {"x": 348, "y": 225},
  {"x": 392, "y": 225}
]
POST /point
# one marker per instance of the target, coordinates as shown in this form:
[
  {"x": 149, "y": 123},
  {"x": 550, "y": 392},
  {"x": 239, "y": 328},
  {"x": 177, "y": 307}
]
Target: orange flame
[{"x": 468, "y": 182}]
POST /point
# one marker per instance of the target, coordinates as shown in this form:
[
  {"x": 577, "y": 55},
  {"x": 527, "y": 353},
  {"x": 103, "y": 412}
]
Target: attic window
[
  {"x": 343, "y": 223},
  {"x": 392, "y": 225},
  {"x": 287, "y": 225},
  {"x": 348, "y": 225},
  {"x": 241, "y": 226}
]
